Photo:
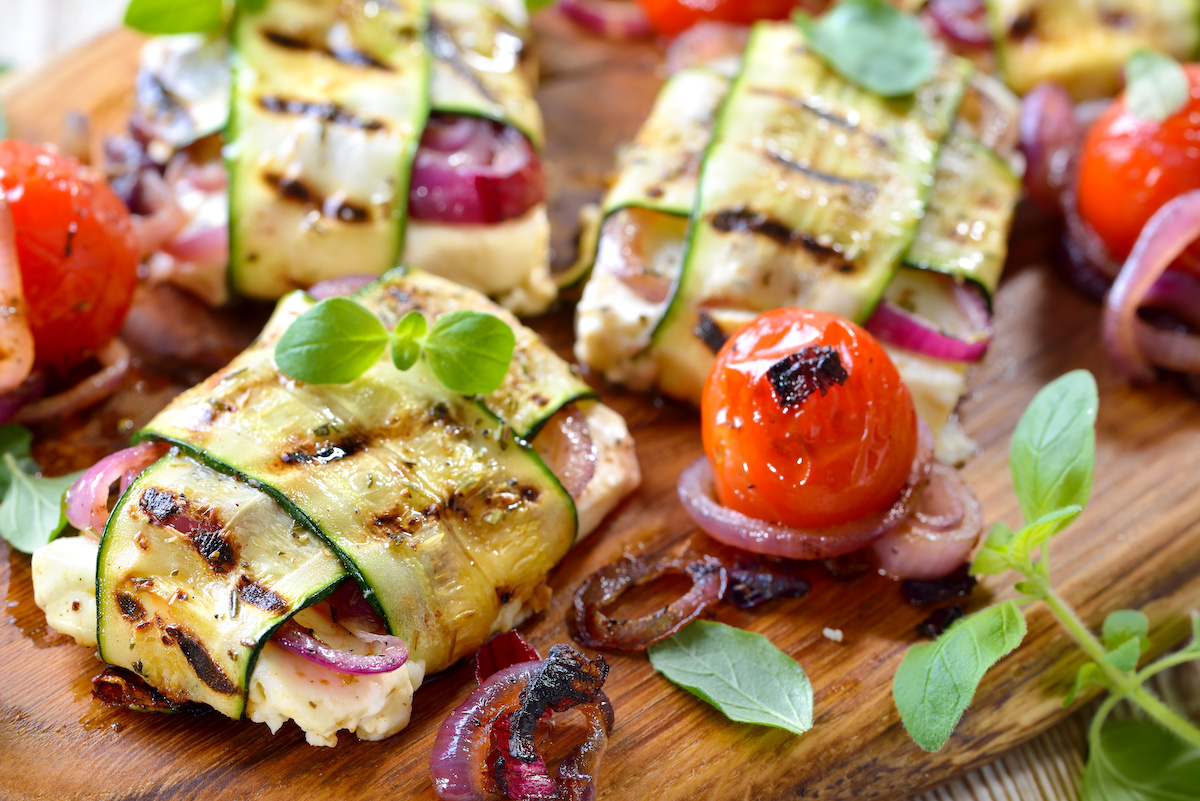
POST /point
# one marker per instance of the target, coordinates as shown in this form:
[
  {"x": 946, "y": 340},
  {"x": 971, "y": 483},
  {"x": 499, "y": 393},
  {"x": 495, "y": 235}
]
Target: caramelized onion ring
[
  {"x": 595, "y": 629},
  {"x": 760, "y": 536},
  {"x": 939, "y": 535},
  {"x": 1133, "y": 348},
  {"x": 114, "y": 365}
]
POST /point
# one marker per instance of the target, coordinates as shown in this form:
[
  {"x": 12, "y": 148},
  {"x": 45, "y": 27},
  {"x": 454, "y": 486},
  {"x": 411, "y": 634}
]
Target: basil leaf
[
  {"x": 470, "y": 351},
  {"x": 334, "y": 342},
  {"x": 1156, "y": 87},
  {"x": 17, "y": 442},
  {"x": 873, "y": 45},
  {"x": 406, "y": 345},
  {"x": 1124, "y": 625},
  {"x": 1054, "y": 446},
  {"x": 174, "y": 16},
  {"x": 936, "y": 681},
  {"x": 1039, "y": 532},
  {"x": 1089, "y": 674},
  {"x": 32, "y": 513},
  {"x": 993, "y": 557},
  {"x": 1137, "y": 760},
  {"x": 739, "y": 672}
]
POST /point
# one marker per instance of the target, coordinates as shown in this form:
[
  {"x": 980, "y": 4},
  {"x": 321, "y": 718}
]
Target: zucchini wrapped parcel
[
  {"x": 356, "y": 136},
  {"x": 444, "y": 512},
  {"x": 784, "y": 185}
]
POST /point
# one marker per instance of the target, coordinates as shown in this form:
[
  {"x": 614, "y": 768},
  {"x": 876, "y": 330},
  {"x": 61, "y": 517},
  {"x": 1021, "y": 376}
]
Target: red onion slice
[
  {"x": 494, "y": 176},
  {"x": 87, "y": 499},
  {"x": 351, "y": 610},
  {"x": 760, "y": 536},
  {"x": 301, "y": 642},
  {"x": 500, "y": 652},
  {"x": 30, "y": 390},
  {"x": 898, "y": 327},
  {"x": 114, "y": 361},
  {"x": 939, "y": 535},
  {"x": 565, "y": 445},
  {"x": 1050, "y": 137},
  {"x": 16, "y": 338},
  {"x": 342, "y": 287},
  {"x": 612, "y": 19},
  {"x": 204, "y": 246},
  {"x": 706, "y": 43},
  {"x": 595, "y": 629},
  {"x": 165, "y": 217},
  {"x": 962, "y": 21},
  {"x": 1167, "y": 234}
]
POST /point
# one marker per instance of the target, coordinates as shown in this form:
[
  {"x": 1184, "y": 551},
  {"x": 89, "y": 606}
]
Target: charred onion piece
[
  {"x": 921, "y": 592},
  {"x": 114, "y": 361},
  {"x": 939, "y": 535},
  {"x": 511, "y": 702},
  {"x": 595, "y": 629},
  {"x": 753, "y": 581},
  {"x": 760, "y": 536},
  {"x": 500, "y": 652}
]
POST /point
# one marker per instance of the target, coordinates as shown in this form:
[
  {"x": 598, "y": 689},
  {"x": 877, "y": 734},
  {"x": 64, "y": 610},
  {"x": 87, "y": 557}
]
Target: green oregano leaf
[
  {"x": 32, "y": 512},
  {"x": 1089, "y": 674},
  {"x": 1138, "y": 760},
  {"x": 1156, "y": 87},
  {"x": 873, "y": 45},
  {"x": 1124, "y": 656},
  {"x": 1054, "y": 446},
  {"x": 406, "y": 340},
  {"x": 470, "y": 351},
  {"x": 993, "y": 557},
  {"x": 1124, "y": 625},
  {"x": 174, "y": 16},
  {"x": 334, "y": 342},
  {"x": 739, "y": 672},
  {"x": 936, "y": 681},
  {"x": 1035, "y": 535}
]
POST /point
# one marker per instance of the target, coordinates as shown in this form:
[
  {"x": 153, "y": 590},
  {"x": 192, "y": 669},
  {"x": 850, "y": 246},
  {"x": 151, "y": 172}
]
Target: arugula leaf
[
  {"x": 1156, "y": 87},
  {"x": 470, "y": 351},
  {"x": 334, "y": 342},
  {"x": 32, "y": 513},
  {"x": 1054, "y": 446},
  {"x": 1138, "y": 760},
  {"x": 871, "y": 44},
  {"x": 739, "y": 672},
  {"x": 1124, "y": 625},
  {"x": 936, "y": 681},
  {"x": 1038, "y": 533},
  {"x": 174, "y": 16},
  {"x": 406, "y": 340},
  {"x": 17, "y": 442}
]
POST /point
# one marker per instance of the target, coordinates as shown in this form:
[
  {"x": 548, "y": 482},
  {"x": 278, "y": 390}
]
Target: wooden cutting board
[{"x": 1138, "y": 544}]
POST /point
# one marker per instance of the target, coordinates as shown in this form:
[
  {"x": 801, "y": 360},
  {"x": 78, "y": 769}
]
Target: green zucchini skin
[
  {"x": 189, "y": 610},
  {"x": 1085, "y": 45},
  {"x": 781, "y": 218},
  {"x": 437, "y": 509},
  {"x": 329, "y": 103}
]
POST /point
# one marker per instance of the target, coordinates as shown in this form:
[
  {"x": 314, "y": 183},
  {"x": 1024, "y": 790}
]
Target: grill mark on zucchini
[
  {"x": 805, "y": 105},
  {"x": 710, "y": 332},
  {"x": 344, "y": 55},
  {"x": 131, "y": 608},
  {"x": 744, "y": 220},
  {"x": 325, "y": 111},
  {"x": 200, "y": 527},
  {"x": 858, "y": 184},
  {"x": 325, "y": 452},
  {"x": 446, "y": 50},
  {"x": 1023, "y": 26},
  {"x": 252, "y": 592},
  {"x": 206, "y": 668},
  {"x": 295, "y": 190}
]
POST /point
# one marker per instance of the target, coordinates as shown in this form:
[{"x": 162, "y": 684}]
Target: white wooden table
[{"x": 1046, "y": 769}]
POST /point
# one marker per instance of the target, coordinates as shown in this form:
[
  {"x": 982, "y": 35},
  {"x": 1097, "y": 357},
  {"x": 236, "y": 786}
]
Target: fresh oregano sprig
[
  {"x": 339, "y": 339},
  {"x": 1052, "y": 458}
]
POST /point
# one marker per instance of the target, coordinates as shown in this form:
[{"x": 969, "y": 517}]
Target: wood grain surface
[{"x": 1138, "y": 544}]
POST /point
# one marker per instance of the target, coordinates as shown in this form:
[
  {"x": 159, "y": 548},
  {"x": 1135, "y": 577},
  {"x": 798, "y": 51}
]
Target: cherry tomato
[
  {"x": 669, "y": 17},
  {"x": 1130, "y": 167},
  {"x": 77, "y": 251},
  {"x": 806, "y": 421}
]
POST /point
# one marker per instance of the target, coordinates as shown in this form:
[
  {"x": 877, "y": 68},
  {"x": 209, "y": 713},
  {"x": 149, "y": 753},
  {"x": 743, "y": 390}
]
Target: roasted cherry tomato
[
  {"x": 669, "y": 17},
  {"x": 1130, "y": 167},
  {"x": 806, "y": 421},
  {"x": 76, "y": 247}
]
